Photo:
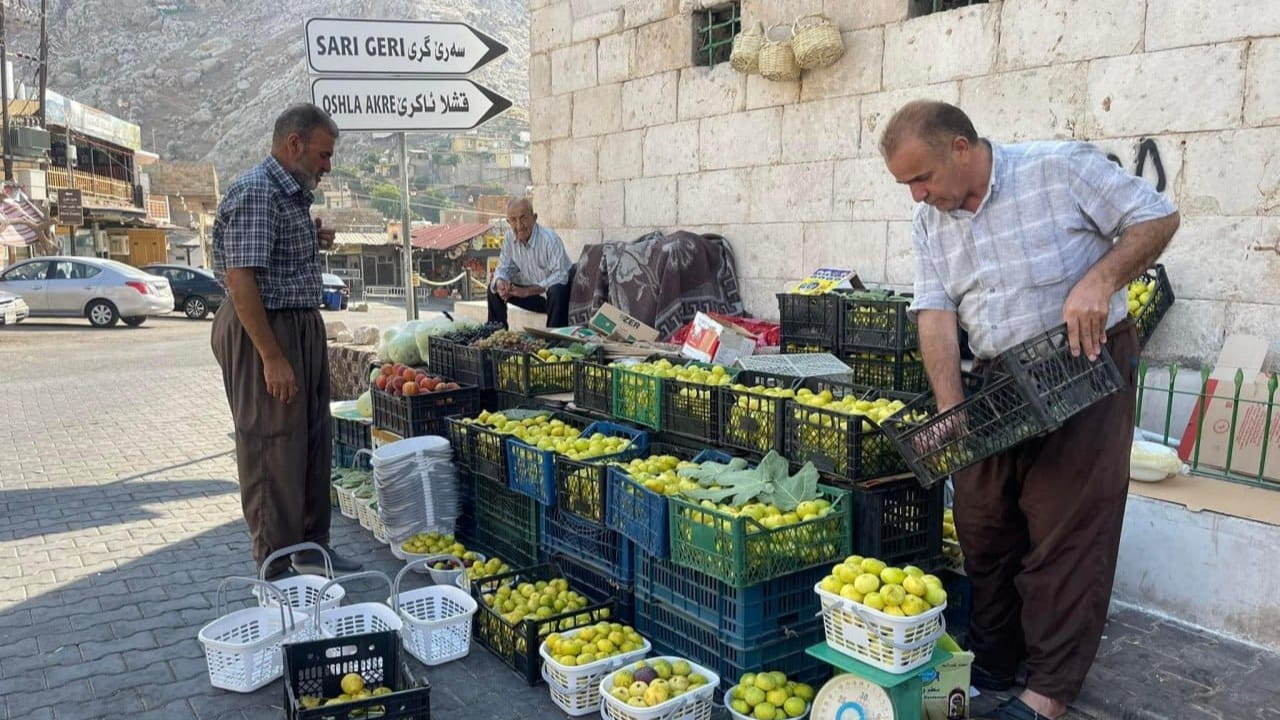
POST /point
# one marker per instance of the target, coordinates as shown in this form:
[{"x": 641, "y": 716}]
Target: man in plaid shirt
[
  {"x": 1012, "y": 241},
  {"x": 270, "y": 342}
]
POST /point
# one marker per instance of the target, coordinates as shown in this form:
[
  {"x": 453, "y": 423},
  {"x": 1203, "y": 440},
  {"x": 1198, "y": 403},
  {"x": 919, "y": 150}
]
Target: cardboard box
[
  {"x": 614, "y": 324},
  {"x": 716, "y": 342},
  {"x": 946, "y": 689},
  {"x": 825, "y": 280},
  {"x": 1244, "y": 354}
]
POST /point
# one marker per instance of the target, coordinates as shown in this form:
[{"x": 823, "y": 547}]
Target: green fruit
[{"x": 794, "y": 707}]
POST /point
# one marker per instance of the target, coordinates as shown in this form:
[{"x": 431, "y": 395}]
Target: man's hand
[
  {"x": 324, "y": 235},
  {"x": 1085, "y": 313},
  {"x": 503, "y": 289},
  {"x": 280, "y": 381},
  {"x": 526, "y": 291}
]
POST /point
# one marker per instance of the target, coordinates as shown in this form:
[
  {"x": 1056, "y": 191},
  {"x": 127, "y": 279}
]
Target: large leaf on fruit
[
  {"x": 739, "y": 487},
  {"x": 708, "y": 473},
  {"x": 792, "y": 490}
]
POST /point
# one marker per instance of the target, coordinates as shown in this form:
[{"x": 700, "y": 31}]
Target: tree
[{"x": 386, "y": 198}]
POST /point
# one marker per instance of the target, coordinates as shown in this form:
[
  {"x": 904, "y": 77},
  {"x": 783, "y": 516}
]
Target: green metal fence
[
  {"x": 714, "y": 33},
  {"x": 1232, "y": 468}
]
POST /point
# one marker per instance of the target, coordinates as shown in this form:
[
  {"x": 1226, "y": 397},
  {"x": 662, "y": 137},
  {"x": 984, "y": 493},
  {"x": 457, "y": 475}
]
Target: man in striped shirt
[{"x": 534, "y": 271}]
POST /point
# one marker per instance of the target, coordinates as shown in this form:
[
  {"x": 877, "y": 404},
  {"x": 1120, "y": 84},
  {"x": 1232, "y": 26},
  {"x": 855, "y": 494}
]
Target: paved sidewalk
[{"x": 119, "y": 515}]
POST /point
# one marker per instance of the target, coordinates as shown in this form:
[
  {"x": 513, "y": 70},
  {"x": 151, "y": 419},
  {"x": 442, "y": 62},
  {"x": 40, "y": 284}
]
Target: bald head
[
  {"x": 521, "y": 217},
  {"x": 938, "y": 124}
]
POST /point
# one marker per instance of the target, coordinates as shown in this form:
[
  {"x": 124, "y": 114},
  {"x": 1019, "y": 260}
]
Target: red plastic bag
[{"x": 766, "y": 334}]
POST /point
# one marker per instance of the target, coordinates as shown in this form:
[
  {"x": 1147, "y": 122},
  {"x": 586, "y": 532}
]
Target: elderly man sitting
[{"x": 534, "y": 271}]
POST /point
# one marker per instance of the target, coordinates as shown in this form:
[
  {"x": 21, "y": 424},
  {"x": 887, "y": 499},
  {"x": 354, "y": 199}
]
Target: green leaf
[
  {"x": 795, "y": 489},
  {"x": 740, "y": 485}
]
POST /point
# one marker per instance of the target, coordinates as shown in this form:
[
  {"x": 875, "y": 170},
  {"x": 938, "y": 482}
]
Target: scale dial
[{"x": 849, "y": 697}]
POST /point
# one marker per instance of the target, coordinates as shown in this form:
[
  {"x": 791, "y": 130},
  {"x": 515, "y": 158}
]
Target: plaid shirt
[
  {"x": 1051, "y": 212},
  {"x": 542, "y": 262},
  {"x": 264, "y": 222}
]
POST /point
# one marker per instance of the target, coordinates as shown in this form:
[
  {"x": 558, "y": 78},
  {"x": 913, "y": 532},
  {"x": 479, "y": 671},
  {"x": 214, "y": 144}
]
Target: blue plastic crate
[
  {"x": 594, "y": 582},
  {"x": 740, "y": 615},
  {"x": 641, "y": 514},
  {"x": 533, "y": 472},
  {"x": 580, "y": 485},
  {"x": 588, "y": 542}
]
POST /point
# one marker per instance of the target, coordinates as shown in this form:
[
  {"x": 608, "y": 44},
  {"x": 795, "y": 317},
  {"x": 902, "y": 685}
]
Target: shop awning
[
  {"x": 443, "y": 237},
  {"x": 17, "y": 218},
  {"x": 356, "y": 238}
]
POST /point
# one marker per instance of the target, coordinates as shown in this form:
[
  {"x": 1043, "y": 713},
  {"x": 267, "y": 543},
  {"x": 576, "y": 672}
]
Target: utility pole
[
  {"x": 44, "y": 58},
  {"x": 4, "y": 96}
]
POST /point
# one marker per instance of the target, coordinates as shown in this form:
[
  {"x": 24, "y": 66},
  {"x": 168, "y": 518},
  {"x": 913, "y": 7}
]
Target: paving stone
[
  {"x": 22, "y": 705},
  {"x": 124, "y": 612},
  {"x": 157, "y": 673},
  {"x": 52, "y": 641},
  {"x": 175, "y": 710},
  {"x": 57, "y": 676},
  {"x": 123, "y": 704},
  {"x": 142, "y": 600}
]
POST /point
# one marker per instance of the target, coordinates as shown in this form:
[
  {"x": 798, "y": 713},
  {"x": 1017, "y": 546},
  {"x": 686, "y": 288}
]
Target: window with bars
[
  {"x": 928, "y": 7},
  {"x": 713, "y": 33}
]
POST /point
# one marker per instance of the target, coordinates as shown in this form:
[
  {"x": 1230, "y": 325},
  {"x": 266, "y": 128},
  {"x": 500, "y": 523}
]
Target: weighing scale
[{"x": 868, "y": 693}]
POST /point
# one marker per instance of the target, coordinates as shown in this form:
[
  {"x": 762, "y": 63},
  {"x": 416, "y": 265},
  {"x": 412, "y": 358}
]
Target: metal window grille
[
  {"x": 713, "y": 33},
  {"x": 928, "y": 7}
]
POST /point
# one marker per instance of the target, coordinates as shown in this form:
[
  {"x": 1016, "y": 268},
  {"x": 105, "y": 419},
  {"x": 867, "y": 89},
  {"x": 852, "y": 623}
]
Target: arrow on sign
[
  {"x": 392, "y": 104},
  {"x": 397, "y": 47}
]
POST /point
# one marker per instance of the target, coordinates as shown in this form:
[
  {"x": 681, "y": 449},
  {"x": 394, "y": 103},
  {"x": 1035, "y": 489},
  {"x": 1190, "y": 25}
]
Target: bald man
[{"x": 534, "y": 271}]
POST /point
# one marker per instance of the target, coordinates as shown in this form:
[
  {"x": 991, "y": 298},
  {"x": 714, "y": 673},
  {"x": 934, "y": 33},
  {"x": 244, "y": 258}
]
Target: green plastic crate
[
  {"x": 739, "y": 551},
  {"x": 637, "y": 397}
]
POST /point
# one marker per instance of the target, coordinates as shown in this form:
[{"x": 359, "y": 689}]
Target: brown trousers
[
  {"x": 1040, "y": 529},
  {"x": 282, "y": 451}
]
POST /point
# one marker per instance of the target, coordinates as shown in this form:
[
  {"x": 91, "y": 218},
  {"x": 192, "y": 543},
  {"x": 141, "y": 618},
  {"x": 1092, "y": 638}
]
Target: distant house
[{"x": 188, "y": 194}]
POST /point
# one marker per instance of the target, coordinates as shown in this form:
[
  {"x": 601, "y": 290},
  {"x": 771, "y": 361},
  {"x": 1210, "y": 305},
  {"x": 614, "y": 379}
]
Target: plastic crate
[
  {"x": 637, "y": 397},
  {"x": 691, "y": 410},
  {"x": 642, "y": 515},
  {"x": 1060, "y": 385},
  {"x": 1149, "y": 315},
  {"x": 593, "y": 387},
  {"x": 740, "y": 615},
  {"x": 533, "y": 472},
  {"x": 790, "y": 345},
  {"x": 581, "y": 486},
  {"x": 345, "y": 456},
  {"x": 740, "y": 552},
  {"x": 412, "y": 416},
  {"x": 749, "y": 421},
  {"x": 602, "y": 548},
  {"x": 901, "y": 370},
  {"x": 473, "y": 366},
  {"x": 849, "y": 446},
  {"x": 814, "y": 318},
  {"x": 353, "y": 433},
  {"x": 959, "y": 600},
  {"x": 897, "y": 521},
  {"x": 877, "y": 321},
  {"x": 486, "y": 448},
  {"x": 440, "y": 359},
  {"x": 596, "y": 582},
  {"x": 524, "y": 373},
  {"x": 316, "y": 668},
  {"x": 517, "y": 645},
  {"x": 507, "y": 524}
]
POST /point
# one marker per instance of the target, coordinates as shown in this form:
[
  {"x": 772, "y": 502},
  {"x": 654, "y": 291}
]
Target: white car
[
  {"x": 13, "y": 309},
  {"x": 104, "y": 291}
]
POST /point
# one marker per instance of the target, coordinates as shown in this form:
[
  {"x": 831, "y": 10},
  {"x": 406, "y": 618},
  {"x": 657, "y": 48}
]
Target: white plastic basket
[
  {"x": 371, "y": 519},
  {"x": 894, "y": 644},
  {"x": 575, "y": 677},
  {"x": 693, "y": 705},
  {"x": 739, "y": 716},
  {"x": 358, "y": 618},
  {"x": 437, "y": 620},
  {"x": 242, "y": 648},
  {"x": 584, "y": 701},
  {"x": 302, "y": 592},
  {"x": 347, "y": 503}
]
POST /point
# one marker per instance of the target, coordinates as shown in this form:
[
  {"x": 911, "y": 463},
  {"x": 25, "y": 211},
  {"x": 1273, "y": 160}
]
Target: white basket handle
[
  {"x": 220, "y": 601},
  {"x": 328, "y": 566},
  {"x": 875, "y": 627},
  {"x": 363, "y": 451},
  {"x": 345, "y": 578},
  {"x": 395, "y": 586}
]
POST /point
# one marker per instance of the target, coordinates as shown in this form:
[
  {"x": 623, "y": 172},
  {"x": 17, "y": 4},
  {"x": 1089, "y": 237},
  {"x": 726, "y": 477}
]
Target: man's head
[
  {"x": 932, "y": 148},
  {"x": 303, "y": 143},
  {"x": 521, "y": 217}
]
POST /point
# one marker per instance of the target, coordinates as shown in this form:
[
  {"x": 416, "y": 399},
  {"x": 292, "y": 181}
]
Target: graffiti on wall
[{"x": 1147, "y": 151}]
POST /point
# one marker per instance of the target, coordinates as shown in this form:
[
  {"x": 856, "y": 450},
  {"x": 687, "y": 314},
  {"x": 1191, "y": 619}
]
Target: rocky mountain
[{"x": 206, "y": 78}]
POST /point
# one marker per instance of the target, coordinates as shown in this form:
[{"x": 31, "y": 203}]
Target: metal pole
[
  {"x": 4, "y": 96},
  {"x": 410, "y": 295},
  {"x": 44, "y": 60}
]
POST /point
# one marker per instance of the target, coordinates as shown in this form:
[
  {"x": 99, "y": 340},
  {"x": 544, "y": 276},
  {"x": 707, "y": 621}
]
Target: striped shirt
[
  {"x": 542, "y": 261},
  {"x": 1051, "y": 211},
  {"x": 264, "y": 222}
]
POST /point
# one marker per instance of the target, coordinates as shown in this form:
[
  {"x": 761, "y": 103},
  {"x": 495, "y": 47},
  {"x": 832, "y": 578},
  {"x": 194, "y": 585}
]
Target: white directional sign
[
  {"x": 397, "y": 47},
  {"x": 386, "y": 104}
]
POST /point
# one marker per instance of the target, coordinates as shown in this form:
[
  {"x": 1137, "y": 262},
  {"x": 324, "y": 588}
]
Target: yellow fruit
[
  {"x": 873, "y": 566},
  {"x": 804, "y": 691},
  {"x": 873, "y": 601},
  {"x": 776, "y": 697},
  {"x": 351, "y": 683},
  {"x": 794, "y": 707},
  {"x": 892, "y": 576},
  {"x": 850, "y": 592},
  {"x": 913, "y": 571},
  {"x": 915, "y": 586},
  {"x": 893, "y": 595},
  {"x": 935, "y": 596},
  {"x": 866, "y": 583},
  {"x": 764, "y": 682}
]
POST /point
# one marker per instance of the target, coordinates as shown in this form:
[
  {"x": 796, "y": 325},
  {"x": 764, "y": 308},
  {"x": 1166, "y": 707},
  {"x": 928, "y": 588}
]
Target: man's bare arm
[
  {"x": 940, "y": 346},
  {"x": 242, "y": 285}
]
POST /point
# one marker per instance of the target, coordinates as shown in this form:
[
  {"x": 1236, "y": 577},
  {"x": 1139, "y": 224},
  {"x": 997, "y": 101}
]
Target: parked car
[
  {"x": 104, "y": 291},
  {"x": 13, "y": 309},
  {"x": 333, "y": 282},
  {"x": 196, "y": 291}
]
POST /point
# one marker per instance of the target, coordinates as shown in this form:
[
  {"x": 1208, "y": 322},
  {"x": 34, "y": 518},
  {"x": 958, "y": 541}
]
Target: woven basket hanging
[
  {"x": 777, "y": 59},
  {"x": 818, "y": 44},
  {"x": 745, "y": 57}
]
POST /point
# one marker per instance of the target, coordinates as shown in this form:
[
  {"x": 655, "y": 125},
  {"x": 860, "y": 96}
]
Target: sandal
[{"x": 1013, "y": 709}]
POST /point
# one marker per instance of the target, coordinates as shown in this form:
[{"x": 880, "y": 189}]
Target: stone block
[
  {"x": 616, "y": 57},
  {"x": 856, "y": 245},
  {"x": 539, "y": 167},
  {"x": 1040, "y": 104},
  {"x": 879, "y": 107},
  {"x": 598, "y": 25},
  {"x": 1262, "y": 96},
  {"x": 708, "y": 91},
  {"x": 714, "y": 197},
  {"x": 741, "y": 139},
  {"x": 550, "y": 117},
  {"x": 760, "y": 295},
  {"x": 821, "y": 130},
  {"x": 1190, "y": 333},
  {"x": 1160, "y": 152},
  {"x": 650, "y": 100},
  {"x": 583, "y": 156},
  {"x": 577, "y": 238},
  {"x": 671, "y": 149},
  {"x": 791, "y": 193},
  {"x": 858, "y": 14},
  {"x": 864, "y": 190},
  {"x": 651, "y": 202},
  {"x": 779, "y": 11},
  {"x": 900, "y": 255},
  {"x": 942, "y": 46},
  {"x": 1145, "y": 94},
  {"x": 622, "y": 155},
  {"x": 573, "y": 68},
  {"x": 540, "y": 75},
  {"x": 599, "y": 205},
  {"x": 1232, "y": 173},
  {"x": 550, "y": 27},
  {"x": 554, "y": 205},
  {"x": 597, "y": 110},
  {"x": 856, "y": 72},
  {"x": 1175, "y": 23},
  {"x": 772, "y": 249},
  {"x": 1049, "y": 32},
  {"x": 559, "y": 161},
  {"x": 1226, "y": 258},
  {"x": 664, "y": 45},
  {"x": 643, "y": 12},
  {"x": 767, "y": 93},
  {"x": 584, "y": 8}
]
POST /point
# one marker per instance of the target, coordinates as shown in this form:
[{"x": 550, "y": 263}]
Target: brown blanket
[{"x": 661, "y": 280}]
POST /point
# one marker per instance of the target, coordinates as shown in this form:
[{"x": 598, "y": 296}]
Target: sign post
[
  {"x": 384, "y": 75},
  {"x": 70, "y": 207}
]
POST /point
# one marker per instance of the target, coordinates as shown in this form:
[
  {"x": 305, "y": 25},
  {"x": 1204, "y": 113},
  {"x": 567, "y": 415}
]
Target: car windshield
[{"x": 331, "y": 279}]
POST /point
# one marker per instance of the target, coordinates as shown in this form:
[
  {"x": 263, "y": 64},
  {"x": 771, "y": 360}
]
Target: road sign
[
  {"x": 70, "y": 207},
  {"x": 397, "y": 47},
  {"x": 388, "y": 104}
]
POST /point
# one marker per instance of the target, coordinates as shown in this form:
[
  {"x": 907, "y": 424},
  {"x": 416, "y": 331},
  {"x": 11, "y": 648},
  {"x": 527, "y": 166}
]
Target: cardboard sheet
[{"x": 1220, "y": 496}]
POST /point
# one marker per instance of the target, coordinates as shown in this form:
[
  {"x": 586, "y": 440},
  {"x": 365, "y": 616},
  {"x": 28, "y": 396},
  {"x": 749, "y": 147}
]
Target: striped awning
[
  {"x": 443, "y": 237},
  {"x": 17, "y": 220}
]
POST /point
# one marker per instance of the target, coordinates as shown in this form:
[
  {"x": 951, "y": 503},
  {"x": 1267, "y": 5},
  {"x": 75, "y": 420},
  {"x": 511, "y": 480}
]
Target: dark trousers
[
  {"x": 282, "y": 451},
  {"x": 1040, "y": 529},
  {"x": 555, "y": 303}
]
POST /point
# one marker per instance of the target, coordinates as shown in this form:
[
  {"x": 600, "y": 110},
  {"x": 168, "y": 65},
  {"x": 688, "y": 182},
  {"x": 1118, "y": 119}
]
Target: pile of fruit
[
  {"x": 767, "y": 493},
  {"x": 353, "y": 689},
  {"x": 902, "y": 592},
  {"x": 693, "y": 398},
  {"x": 488, "y": 568},
  {"x": 552, "y": 434},
  {"x": 540, "y": 600},
  {"x": 659, "y": 473},
  {"x": 510, "y": 341},
  {"x": 819, "y": 427},
  {"x": 1140, "y": 293},
  {"x": 769, "y": 696},
  {"x": 875, "y": 311},
  {"x": 649, "y": 683},
  {"x": 592, "y": 643},
  {"x": 951, "y": 541},
  {"x": 471, "y": 334},
  {"x": 879, "y": 369},
  {"x": 405, "y": 381},
  {"x": 753, "y": 417},
  {"x": 435, "y": 543}
]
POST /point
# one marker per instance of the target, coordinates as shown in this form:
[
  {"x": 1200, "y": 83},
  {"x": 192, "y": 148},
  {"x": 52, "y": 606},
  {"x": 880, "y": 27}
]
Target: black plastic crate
[
  {"x": 901, "y": 370},
  {"x": 316, "y": 668},
  {"x": 691, "y": 411},
  {"x": 897, "y": 521},
  {"x": 524, "y": 373},
  {"x": 841, "y": 444},
  {"x": 810, "y": 317},
  {"x": 415, "y": 415},
  {"x": 750, "y": 421},
  {"x": 486, "y": 448},
  {"x": 581, "y": 486},
  {"x": 352, "y": 433},
  {"x": 1149, "y": 314},
  {"x": 877, "y": 321},
  {"x": 517, "y": 645},
  {"x": 1060, "y": 385},
  {"x": 345, "y": 456},
  {"x": 594, "y": 582},
  {"x": 440, "y": 359},
  {"x": 593, "y": 387},
  {"x": 473, "y": 366}
]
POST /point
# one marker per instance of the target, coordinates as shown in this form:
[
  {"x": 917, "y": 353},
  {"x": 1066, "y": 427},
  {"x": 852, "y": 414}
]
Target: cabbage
[
  {"x": 403, "y": 349},
  {"x": 384, "y": 348},
  {"x": 373, "y": 375},
  {"x": 431, "y": 328},
  {"x": 364, "y": 404}
]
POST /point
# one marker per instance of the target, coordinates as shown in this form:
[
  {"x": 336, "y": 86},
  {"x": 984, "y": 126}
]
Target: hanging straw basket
[
  {"x": 778, "y": 59},
  {"x": 816, "y": 45},
  {"x": 745, "y": 57}
]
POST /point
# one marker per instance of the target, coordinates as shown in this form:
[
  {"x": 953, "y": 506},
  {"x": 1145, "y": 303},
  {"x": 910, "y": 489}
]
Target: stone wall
[{"x": 629, "y": 136}]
